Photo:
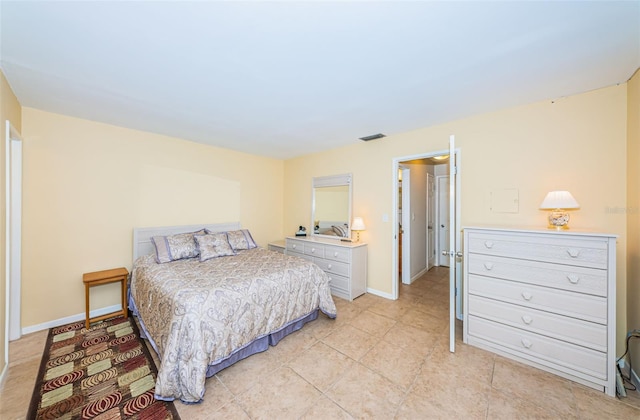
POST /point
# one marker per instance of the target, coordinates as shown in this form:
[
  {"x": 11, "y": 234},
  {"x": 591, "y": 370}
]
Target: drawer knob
[
  {"x": 313, "y": 250},
  {"x": 573, "y": 279},
  {"x": 573, "y": 253},
  {"x": 488, "y": 244},
  {"x": 329, "y": 266},
  {"x": 527, "y": 295},
  {"x": 527, "y": 319},
  {"x": 335, "y": 254},
  {"x": 293, "y": 246},
  {"x": 488, "y": 265},
  {"x": 526, "y": 343}
]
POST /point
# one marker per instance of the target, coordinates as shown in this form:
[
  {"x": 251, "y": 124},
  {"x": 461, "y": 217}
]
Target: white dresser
[
  {"x": 344, "y": 262},
  {"x": 544, "y": 298}
]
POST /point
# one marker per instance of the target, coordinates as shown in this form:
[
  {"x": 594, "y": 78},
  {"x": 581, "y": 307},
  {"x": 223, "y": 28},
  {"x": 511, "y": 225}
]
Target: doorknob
[
  {"x": 450, "y": 253},
  {"x": 441, "y": 226}
]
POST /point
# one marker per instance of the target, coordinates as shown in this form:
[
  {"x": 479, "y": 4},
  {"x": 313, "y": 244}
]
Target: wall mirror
[{"x": 331, "y": 206}]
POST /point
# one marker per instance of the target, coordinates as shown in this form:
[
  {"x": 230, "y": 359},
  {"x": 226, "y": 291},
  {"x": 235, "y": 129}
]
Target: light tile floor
[{"x": 380, "y": 359}]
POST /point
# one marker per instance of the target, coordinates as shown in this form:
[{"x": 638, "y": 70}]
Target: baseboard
[
  {"x": 379, "y": 293},
  {"x": 417, "y": 276},
  {"x": 69, "y": 319}
]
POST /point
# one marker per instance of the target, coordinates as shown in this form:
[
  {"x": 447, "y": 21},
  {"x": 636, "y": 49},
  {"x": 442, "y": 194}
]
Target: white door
[
  {"x": 431, "y": 216},
  {"x": 406, "y": 226},
  {"x": 443, "y": 219},
  {"x": 13, "y": 226},
  {"x": 455, "y": 253}
]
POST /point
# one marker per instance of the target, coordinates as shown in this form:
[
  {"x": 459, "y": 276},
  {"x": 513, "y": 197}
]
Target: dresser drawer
[
  {"x": 555, "y": 249},
  {"x": 334, "y": 267},
  {"x": 337, "y": 254},
  {"x": 314, "y": 250},
  {"x": 339, "y": 286},
  {"x": 294, "y": 246},
  {"x": 576, "y": 279},
  {"x": 588, "y": 307},
  {"x": 583, "y": 333},
  {"x": 339, "y": 282},
  {"x": 303, "y": 247},
  {"x": 575, "y": 358}
]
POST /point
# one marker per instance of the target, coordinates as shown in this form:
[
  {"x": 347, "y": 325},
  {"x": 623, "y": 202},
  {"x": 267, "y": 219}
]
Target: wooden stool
[{"x": 104, "y": 277}]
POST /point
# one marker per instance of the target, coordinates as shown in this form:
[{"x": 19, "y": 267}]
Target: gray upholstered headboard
[{"x": 142, "y": 236}]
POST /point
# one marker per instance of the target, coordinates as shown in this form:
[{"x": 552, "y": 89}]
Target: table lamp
[
  {"x": 559, "y": 203},
  {"x": 357, "y": 226}
]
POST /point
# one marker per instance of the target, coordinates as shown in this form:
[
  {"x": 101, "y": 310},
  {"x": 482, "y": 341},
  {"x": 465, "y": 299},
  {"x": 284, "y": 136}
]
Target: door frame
[
  {"x": 395, "y": 225},
  {"x": 406, "y": 224},
  {"x": 13, "y": 235}
]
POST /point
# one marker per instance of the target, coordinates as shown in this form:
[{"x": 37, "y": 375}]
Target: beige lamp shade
[
  {"x": 559, "y": 200},
  {"x": 358, "y": 224}
]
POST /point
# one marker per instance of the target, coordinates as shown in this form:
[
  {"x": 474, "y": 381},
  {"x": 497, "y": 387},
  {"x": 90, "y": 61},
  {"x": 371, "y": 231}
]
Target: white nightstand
[{"x": 277, "y": 246}]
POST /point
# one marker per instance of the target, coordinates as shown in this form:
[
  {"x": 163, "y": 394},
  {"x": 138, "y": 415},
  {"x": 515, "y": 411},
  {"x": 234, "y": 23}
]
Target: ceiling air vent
[{"x": 372, "y": 137}]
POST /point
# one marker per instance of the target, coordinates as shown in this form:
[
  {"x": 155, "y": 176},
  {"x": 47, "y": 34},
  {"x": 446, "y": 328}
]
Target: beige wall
[
  {"x": 633, "y": 213},
  {"x": 87, "y": 185},
  {"x": 576, "y": 143},
  {"x": 9, "y": 110}
]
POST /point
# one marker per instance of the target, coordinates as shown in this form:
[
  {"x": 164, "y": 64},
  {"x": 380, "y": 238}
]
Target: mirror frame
[{"x": 331, "y": 181}]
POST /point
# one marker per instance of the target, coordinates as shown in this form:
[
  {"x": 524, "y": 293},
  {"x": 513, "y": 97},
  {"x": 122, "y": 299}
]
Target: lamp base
[{"x": 559, "y": 220}]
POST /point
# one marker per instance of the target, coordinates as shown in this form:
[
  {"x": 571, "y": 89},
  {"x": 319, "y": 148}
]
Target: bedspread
[{"x": 198, "y": 313}]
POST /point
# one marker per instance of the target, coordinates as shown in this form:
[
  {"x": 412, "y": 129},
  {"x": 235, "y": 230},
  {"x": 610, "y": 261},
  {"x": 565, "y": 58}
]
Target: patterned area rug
[{"x": 105, "y": 372}]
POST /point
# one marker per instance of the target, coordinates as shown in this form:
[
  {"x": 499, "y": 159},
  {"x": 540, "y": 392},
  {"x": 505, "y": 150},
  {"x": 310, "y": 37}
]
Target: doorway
[
  {"x": 455, "y": 279},
  {"x": 13, "y": 235},
  {"x": 419, "y": 214}
]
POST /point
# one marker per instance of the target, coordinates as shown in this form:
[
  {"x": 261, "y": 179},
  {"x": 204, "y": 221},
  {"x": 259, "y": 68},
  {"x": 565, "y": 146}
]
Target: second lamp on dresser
[{"x": 344, "y": 262}]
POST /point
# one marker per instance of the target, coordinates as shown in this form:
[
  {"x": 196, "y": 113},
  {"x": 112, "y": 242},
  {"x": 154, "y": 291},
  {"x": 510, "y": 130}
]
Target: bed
[{"x": 202, "y": 314}]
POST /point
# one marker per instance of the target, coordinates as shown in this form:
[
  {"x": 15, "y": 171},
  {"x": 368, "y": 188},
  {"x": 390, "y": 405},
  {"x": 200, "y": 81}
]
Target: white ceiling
[{"x": 283, "y": 79}]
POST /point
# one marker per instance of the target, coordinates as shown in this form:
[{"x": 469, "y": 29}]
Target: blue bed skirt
[{"x": 258, "y": 345}]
